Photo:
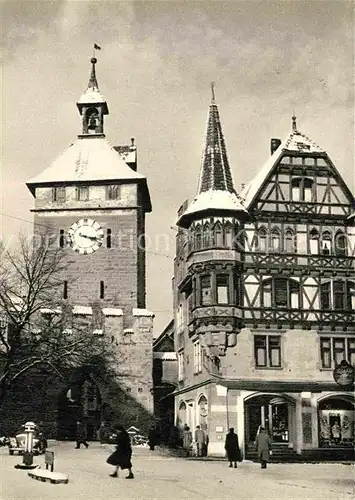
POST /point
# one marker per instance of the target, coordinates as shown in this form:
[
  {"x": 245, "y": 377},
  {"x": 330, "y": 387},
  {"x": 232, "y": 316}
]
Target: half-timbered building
[{"x": 264, "y": 298}]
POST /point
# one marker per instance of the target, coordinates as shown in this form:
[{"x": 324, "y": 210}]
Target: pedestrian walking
[
  {"x": 187, "y": 439},
  {"x": 200, "y": 439},
  {"x": 263, "y": 447},
  {"x": 152, "y": 437},
  {"x": 121, "y": 457},
  {"x": 232, "y": 448},
  {"x": 103, "y": 433},
  {"x": 81, "y": 435}
]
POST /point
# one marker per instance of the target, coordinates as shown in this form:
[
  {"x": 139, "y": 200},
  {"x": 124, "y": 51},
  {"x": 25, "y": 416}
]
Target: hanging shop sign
[{"x": 344, "y": 374}]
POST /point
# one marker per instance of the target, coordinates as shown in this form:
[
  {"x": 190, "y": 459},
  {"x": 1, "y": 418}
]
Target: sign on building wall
[{"x": 344, "y": 374}]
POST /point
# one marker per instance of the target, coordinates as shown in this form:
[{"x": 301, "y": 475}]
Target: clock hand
[{"x": 88, "y": 237}]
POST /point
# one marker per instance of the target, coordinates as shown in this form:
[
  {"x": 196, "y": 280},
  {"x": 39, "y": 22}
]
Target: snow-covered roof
[
  {"x": 91, "y": 96},
  {"x": 213, "y": 200},
  {"x": 165, "y": 356},
  {"x": 87, "y": 159},
  {"x": 83, "y": 310},
  {"x": 142, "y": 312},
  {"x": 112, "y": 311},
  {"x": 294, "y": 142},
  {"x": 51, "y": 310}
]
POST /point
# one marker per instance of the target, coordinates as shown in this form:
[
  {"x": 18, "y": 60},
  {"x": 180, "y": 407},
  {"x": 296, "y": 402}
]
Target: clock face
[{"x": 85, "y": 236}]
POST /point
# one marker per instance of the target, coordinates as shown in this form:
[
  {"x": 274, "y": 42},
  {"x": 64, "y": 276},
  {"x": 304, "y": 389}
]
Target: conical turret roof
[{"x": 215, "y": 193}]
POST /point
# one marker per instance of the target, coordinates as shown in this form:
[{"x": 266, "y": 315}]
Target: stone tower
[{"x": 92, "y": 202}]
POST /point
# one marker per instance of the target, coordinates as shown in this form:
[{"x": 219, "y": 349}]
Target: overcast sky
[{"x": 155, "y": 68}]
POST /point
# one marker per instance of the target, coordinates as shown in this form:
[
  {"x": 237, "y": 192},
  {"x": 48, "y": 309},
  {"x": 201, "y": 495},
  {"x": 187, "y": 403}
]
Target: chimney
[{"x": 274, "y": 144}]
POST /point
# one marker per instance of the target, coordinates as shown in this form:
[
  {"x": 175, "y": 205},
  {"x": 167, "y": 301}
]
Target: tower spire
[
  {"x": 93, "y": 81},
  {"x": 213, "y": 100},
  {"x": 215, "y": 170},
  {"x": 294, "y": 124}
]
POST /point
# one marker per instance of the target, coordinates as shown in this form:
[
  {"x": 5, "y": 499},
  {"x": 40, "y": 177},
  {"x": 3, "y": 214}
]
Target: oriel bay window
[
  {"x": 333, "y": 350},
  {"x": 222, "y": 286},
  {"x": 216, "y": 288},
  {"x": 267, "y": 351},
  {"x": 206, "y": 293}
]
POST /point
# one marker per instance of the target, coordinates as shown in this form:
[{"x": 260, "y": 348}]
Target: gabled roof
[
  {"x": 87, "y": 159},
  {"x": 215, "y": 188},
  {"x": 294, "y": 142}
]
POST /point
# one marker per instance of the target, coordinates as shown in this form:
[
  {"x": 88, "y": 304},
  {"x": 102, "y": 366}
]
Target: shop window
[
  {"x": 267, "y": 351},
  {"x": 222, "y": 283},
  {"x": 206, "y": 298}
]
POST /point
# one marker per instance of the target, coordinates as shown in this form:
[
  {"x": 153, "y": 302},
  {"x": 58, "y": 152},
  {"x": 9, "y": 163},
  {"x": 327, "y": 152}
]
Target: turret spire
[
  {"x": 294, "y": 124},
  {"x": 215, "y": 171},
  {"x": 93, "y": 81}
]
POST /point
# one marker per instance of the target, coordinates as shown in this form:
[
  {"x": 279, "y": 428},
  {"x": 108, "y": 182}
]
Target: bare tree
[{"x": 37, "y": 328}]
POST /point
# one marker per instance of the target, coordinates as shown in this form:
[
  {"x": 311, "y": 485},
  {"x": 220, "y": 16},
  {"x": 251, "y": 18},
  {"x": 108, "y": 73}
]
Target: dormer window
[{"x": 302, "y": 189}]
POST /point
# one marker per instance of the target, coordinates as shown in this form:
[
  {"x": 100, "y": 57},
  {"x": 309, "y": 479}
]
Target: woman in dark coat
[
  {"x": 121, "y": 457},
  {"x": 232, "y": 448}
]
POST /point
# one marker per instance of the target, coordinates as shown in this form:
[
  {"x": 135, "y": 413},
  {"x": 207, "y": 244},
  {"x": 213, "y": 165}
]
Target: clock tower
[{"x": 91, "y": 201}]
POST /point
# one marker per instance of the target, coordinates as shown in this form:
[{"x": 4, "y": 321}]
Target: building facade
[
  {"x": 264, "y": 299},
  {"x": 91, "y": 201}
]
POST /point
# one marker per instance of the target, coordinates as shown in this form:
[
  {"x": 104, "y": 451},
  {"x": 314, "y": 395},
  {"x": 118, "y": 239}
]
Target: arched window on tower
[
  {"x": 218, "y": 234},
  {"x": 314, "y": 242},
  {"x": 340, "y": 243},
  {"x": 206, "y": 236},
  {"x": 228, "y": 235},
  {"x": 326, "y": 243},
  {"x": 198, "y": 237}
]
